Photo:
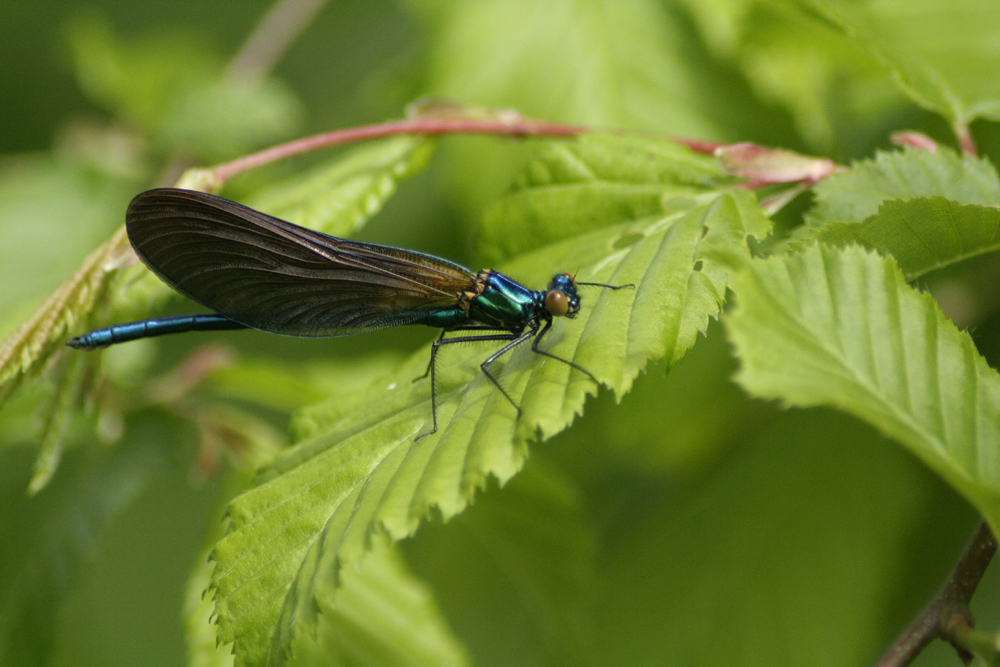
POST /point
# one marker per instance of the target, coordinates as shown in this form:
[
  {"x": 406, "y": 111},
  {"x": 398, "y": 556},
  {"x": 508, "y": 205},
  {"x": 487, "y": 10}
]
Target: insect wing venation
[{"x": 272, "y": 275}]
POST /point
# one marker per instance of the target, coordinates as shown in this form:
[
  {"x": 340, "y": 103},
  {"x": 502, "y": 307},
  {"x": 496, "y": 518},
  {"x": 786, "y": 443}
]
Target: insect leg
[
  {"x": 467, "y": 327},
  {"x": 534, "y": 348},
  {"x": 512, "y": 339}
]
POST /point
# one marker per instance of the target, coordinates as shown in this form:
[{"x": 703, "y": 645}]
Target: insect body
[{"x": 259, "y": 272}]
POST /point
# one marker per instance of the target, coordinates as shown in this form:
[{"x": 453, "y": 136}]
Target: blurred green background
[{"x": 703, "y": 528}]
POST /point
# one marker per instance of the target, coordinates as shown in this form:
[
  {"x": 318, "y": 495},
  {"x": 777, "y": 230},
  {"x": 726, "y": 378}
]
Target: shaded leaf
[
  {"x": 44, "y": 199},
  {"x": 136, "y": 80},
  {"x": 218, "y": 118},
  {"x": 800, "y": 543},
  {"x": 516, "y": 574},
  {"x": 54, "y": 423},
  {"x": 841, "y": 327},
  {"x": 944, "y": 55},
  {"x": 380, "y": 615},
  {"x": 174, "y": 87},
  {"x": 46, "y": 538}
]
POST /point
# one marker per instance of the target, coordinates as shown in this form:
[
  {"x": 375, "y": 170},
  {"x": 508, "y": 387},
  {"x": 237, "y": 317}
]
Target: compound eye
[{"x": 556, "y": 302}]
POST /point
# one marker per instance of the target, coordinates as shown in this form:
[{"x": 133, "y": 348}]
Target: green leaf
[
  {"x": 175, "y": 88},
  {"x": 516, "y": 574},
  {"x": 24, "y": 353},
  {"x": 381, "y": 614},
  {"x": 42, "y": 198},
  {"x": 138, "y": 80},
  {"x": 799, "y": 543},
  {"x": 46, "y": 538},
  {"x": 923, "y": 234},
  {"x": 790, "y": 58},
  {"x": 345, "y": 193},
  {"x": 841, "y": 327},
  {"x": 852, "y": 196},
  {"x": 943, "y": 55},
  {"x": 218, "y": 117},
  {"x": 358, "y": 478},
  {"x": 287, "y": 386},
  {"x": 54, "y": 423},
  {"x": 595, "y": 181},
  {"x": 338, "y": 196},
  {"x": 203, "y": 647},
  {"x": 599, "y": 63},
  {"x": 559, "y": 60}
]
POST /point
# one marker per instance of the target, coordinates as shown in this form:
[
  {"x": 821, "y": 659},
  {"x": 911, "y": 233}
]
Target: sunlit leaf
[
  {"x": 840, "y": 327},
  {"x": 359, "y": 478},
  {"x": 558, "y": 60},
  {"x": 922, "y": 234},
  {"x": 338, "y": 196},
  {"x": 595, "y": 181},
  {"x": 24, "y": 353},
  {"x": 203, "y": 648},
  {"x": 856, "y": 194},
  {"x": 600, "y": 63}
]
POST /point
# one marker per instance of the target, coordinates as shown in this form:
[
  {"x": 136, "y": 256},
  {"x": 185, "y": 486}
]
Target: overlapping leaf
[
  {"x": 381, "y": 615},
  {"x": 572, "y": 187},
  {"x": 358, "y": 478},
  {"x": 841, "y": 327},
  {"x": 927, "y": 210},
  {"x": 922, "y": 234},
  {"x": 24, "y": 353},
  {"x": 856, "y": 194},
  {"x": 516, "y": 574}
]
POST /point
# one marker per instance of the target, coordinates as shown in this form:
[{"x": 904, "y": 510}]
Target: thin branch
[
  {"x": 947, "y": 616},
  {"x": 272, "y": 37},
  {"x": 964, "y": 135},
  {"x": 510, "y": 125}
]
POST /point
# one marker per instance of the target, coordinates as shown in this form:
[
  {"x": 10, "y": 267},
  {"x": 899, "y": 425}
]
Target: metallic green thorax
[{"x": 493, "y": 300}]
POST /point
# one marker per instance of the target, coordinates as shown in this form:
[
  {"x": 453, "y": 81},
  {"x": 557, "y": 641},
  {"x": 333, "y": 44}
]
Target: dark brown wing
[{"x": 269, "y": 274}]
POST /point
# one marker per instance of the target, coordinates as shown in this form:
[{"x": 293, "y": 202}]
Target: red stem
[{"x": 512, "y": 127}]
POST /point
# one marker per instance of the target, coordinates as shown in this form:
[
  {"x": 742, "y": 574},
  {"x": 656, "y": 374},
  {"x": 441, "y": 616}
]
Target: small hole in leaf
[
  {"x": 627, "y": 240},
  {"x": 699, "y": 265}
]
